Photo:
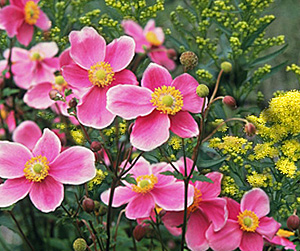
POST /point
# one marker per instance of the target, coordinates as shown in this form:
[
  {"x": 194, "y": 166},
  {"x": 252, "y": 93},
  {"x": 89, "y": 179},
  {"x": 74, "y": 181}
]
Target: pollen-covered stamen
[
  {"x": 145, "y": 183},
  {"x": 196, "y": 202},
  {"x": 152, "y": 38},
  {"x": 59, "y": 84},
  {"x": 167, "y": 99},
  {"x": 31, "y": 12},
  {"x": 101, "y": 74},
  {"x": 36, "y": 169},
  {"x": 248, "y": 221},
  {"x": 36, "y": 56}
]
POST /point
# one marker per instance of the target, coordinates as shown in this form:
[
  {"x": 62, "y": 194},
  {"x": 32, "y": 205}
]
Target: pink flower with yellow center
[
  {"x": 247, "y": 224},
  {"x": 281, "y": 238},
  {"x": 151, "y": 39},
  {"x": 20, "y": 17},
  {"x": 40, "y": 168},
  {"x": 34, "y": 66},
  {"x": 98, "y": 67},
  {"x": 160, "y": 104},
  {"x": 152, "y": 189}
]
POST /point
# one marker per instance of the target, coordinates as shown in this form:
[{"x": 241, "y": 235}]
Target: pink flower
[
  {"x": 98, "y": 67},
  {"x": 8, "y": 118},
  {"x": 40, "y": 168},
  {"x": 281, "y": 239},
  {"x": 159, "y": 105},
  {"x": 151, "y": 39},
  {"x": 247, "y": 224},
  {"x": 152, "y": 189},
  {"x": 34, "y": 66},
  {"x": 20, "y": 17},
  {"x": 207, "y": 209}
]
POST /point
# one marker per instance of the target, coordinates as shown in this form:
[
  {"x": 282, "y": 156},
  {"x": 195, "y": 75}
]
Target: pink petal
[
  {"x": 184, "y": 125},
  {"x": 92, "y": 111},
  {"x": 76, "y": 76},
  {"x": 38, "y": 96},
  {"x": 160, "y": 56},
  {"x": 129, "y": 101},
  {"x": 257, "y": 201},
  {"x": 18, "y": 54},
  {"x": 151, "y": 131},
  {"x": 163, "y": 180},
  {"x": 150, "y": 26},
  {"x": 46, "y": 49},
  {"x": 140, "y": 206},
  {"x": 196, "y": 229},
  {"x": 156, "y": 76},
  {"x": 120, "y": 52},
  {"x": 216, "y": 211},
  {"x": 25, "y": 34},
  {"x": 13, "y": 190},
  {"x": 187, "y": 85},
  {"x": 65, "y": 58},
  {"x": 141, "y": 167},
  {"x": 27, "y": 133},
  {"x": 210, "y": 190},
  {"x": 268, "y": 227},
  {"x": 233, "y": 209},
  {"x": 13, "y": 157},
  {"x": 48, "y": 145},
  {"x": 17, "y": 3},
  {"x": 87, "y": 47},
  {"x": 21, "y": 67},
  {"x": 251, "y": 241},
  {"x": 124, "y": 77},
  {"x": 227, "y": 239},
  {"x": 172, "y": 221},
  {"x": 51, "y": 64},
  {"x": 11, "y": 17},
  {"x": 189, "y": 165},
  {"x": 283, "y": 242},
  {"x": 122, "y": 195},
  {"x": 10, "y": 121},
  {"x": 171, "y": 197},
  {"x": 75, "y": 166},
  {"x": 47, "y": 195},
  {"x": 43, "y": 21}
]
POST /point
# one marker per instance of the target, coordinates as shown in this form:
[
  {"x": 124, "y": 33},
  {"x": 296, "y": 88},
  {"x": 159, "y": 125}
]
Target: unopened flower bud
[
  {"x": 171, "y": 54},
  {"x": 189, "y": 60},
  {"x": 55, "y": 95},
  {"x": 79, "y": 244},
  {"x": 250, "y": 129},
  {"x": 202, "y": 91},
  {"x": 1, "y": 181},
  {"x": 226, "y": 67},
  {"x": 88, "y": 205},
  {"x": 293, "y": 222},
  {"x": 73, "y": 102},
  {"x": 139, "y": 232},
  {"x": 230, "y": 102},
  {"x": 96, "y": 146},
  {"x": 102, "y": 210},
  {"x": 97, "y": 205}
]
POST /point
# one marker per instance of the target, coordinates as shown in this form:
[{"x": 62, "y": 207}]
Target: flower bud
[
  {"x": 226, "y": 67},
  {"x": 102, "y": 210},
  {"x": 139, "y": 232},
  {"x": 88, "y": 205},
  {"x": 230, "y": 102},
  {"x": 73, "y": 102},
  {"x": 55, "y": 95},
  {"x": 293, "y": 222},
  {"x": 171, "y": 54},
  {"x": 202, "y": 91},
  {"x": 189, "y": 60},
  {"x": 250, "y": 129},
  {"x": 96, "y": 146},
  {"x": 79, "y": 244},
  {"x": 97, "y": 205},
  {"x": 1, "y": 181}
]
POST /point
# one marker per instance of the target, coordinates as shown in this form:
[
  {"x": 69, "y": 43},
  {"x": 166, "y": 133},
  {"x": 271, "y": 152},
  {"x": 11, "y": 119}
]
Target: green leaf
[
  {"x": 8, "y": 92},
  {"x": 178, "y": 176},
  {"x": 68, "y": 92},
  {"x": 274, "y": 70},
  {"x": 200, "y": 177},
  {"x": 130, "y": 179},
  {"x": 210, "y": 163},
  {"x": 222, "y": 28}
]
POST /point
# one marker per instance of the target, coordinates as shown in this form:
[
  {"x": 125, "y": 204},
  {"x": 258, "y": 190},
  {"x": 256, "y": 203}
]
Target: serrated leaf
[
  {"x": 200, "y": 177},
  {"x": 210, "y": 163},
  {"x": 130, "y": 179}
]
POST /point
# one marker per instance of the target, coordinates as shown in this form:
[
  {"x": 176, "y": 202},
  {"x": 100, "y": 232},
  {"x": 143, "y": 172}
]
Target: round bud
[
  {"x": 54, "y": 94},
  {"x": 88, "y": 205},
  {"x": 79, "y": 244},
  {"x": 97, "y": 205},
  {"x": 171, "y": 54},
  {"x": 230, "y": 102},
  {"x": 226, "y": 67},
  {"x": 202, "y": 91},
  {"x": 102, "y": 210},
  {"x": 250, "y": 129},
  {"x": 189, "y": 60},
  {"x": 139, "y": 232},
  {"x": 73, "y": 102},
  {"x": 293, "y": 222},
  {"x": 96, "y": 146}
]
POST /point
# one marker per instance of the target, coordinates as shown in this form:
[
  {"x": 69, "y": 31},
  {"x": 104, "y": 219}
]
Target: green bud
[
  {"x": 202, "y": 91},
  {"x": 79, "y": 244},
  {"x": 226, "y": 67}
]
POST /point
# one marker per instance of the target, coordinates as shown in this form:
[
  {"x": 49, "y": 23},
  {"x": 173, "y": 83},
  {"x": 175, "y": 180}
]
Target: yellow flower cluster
[
  {"x": 264, "y": 150},
  {"x": 257, "y": 179},
  {"x": 229, "y": 188},
  {"x": 175, "y": 142},
  {"x": 231, "y": 145},
  {"x": 287, "y": 167},
  {"x": 77, "y": 136},
  {"x": 100, "y": 176}
]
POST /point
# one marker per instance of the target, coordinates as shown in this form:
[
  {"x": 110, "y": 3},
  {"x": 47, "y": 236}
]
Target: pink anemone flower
[
  {"x": 98, "y": 67},
  {"x": 159, "y": 105},
  {"x": 20, "y": 17},
  {"x": 34, "y": 66},
  {"x": 281, "y": 238},
  {"x": 247, "y": 224},
  {"x": 207, "y": 209},
  {"x": 151, "y": 39},
  {"x": 152, "y": 189},
  {"x": 40, "y": 168}
]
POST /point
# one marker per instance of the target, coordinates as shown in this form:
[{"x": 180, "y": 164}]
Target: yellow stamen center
[
  {"x": 196, "y": 202},
  {"x": 36, "y": 169},
  {"x": 35, "y": 56},
  {"x": 248, "y": 221},
  {"x": 152, "y": 38},
  {"x": 145, "y": 183},
  {"x": 59, "y": 80},
  {"x": 101, "y": 74},
  {"x": 31, "y": 12},
  {"x": 167, "y": 99},
  {"x": 59, "y": 84}
]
